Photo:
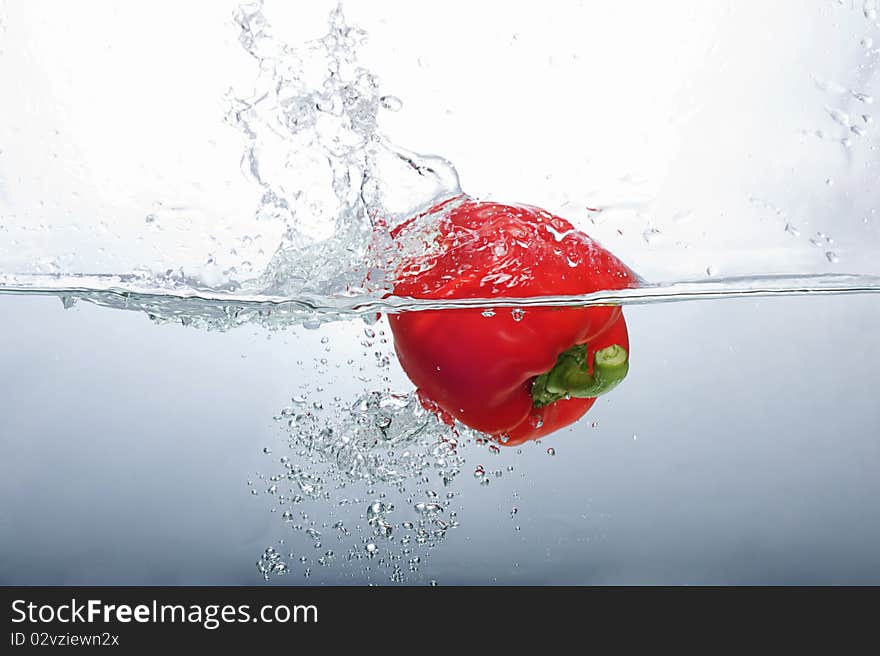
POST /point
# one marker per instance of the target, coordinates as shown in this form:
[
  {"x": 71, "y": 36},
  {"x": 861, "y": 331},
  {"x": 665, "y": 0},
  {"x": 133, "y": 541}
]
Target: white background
[{"x": 700, "y": 129}]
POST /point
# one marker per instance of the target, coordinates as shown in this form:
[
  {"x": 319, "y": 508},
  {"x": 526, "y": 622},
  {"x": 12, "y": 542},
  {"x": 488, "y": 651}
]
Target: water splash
[
  {"x": 312, "y": 144},
  {"x": 210, "y": 310},
  {"x": 330, "y": 187},
  {"x": 335, "y": 185}
]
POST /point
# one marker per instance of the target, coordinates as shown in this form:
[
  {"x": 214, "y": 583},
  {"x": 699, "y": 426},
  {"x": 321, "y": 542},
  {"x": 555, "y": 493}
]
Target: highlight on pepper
[{"x": 515, "y": 374}]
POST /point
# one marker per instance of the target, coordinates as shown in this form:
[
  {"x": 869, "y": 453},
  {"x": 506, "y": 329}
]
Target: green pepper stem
[{"x": 571, "y": 378}]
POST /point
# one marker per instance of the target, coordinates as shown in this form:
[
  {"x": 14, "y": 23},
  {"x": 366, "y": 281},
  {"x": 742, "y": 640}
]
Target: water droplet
[
  {"x": 267, "y": 450},
  {"x": 651, "y": 234},
  {"x": 371, "y": 549},
  {"x": 792, "y": 230},
  {"x": 391, "y": 103},
  {"x": 840, "y": 117},
  {"x": 551, "y": 451},
  {"x": 488, "y": 313},
  {"x": 832, "y": 257},
  {"x": 68, "y": 302},
  {"x": 517, "y": 314}
]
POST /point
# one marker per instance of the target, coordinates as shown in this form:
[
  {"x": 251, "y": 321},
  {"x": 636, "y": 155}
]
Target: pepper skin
[{"x": 517, "y": 374}]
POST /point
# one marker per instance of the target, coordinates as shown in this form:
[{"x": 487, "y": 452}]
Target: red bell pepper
[{"x": 516, "y": 374}]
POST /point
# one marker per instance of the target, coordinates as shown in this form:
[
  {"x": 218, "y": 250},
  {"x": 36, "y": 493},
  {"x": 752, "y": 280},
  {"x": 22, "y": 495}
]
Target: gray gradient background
[{"x": 125, "y": 448}]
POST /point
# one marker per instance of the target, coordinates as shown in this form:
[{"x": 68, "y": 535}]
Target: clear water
[
  {"x": 741, "y": 448},
  {"x": 261, "y": 417}
]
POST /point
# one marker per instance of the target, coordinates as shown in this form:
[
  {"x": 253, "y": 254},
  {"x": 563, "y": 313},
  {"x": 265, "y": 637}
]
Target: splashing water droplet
[
  {"x": 840, "y": 117},
  {"x": 68, "y": 302},
  {"x": 651, "y": 234},
  {"x": 391, "y": 103}
]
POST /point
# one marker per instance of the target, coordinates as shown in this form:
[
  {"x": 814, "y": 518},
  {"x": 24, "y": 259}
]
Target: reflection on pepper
[{"x": 515, "y": 374}]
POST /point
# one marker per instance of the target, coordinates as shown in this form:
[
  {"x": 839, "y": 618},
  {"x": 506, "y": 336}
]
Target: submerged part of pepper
[{"x": 571, "y": 376}]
